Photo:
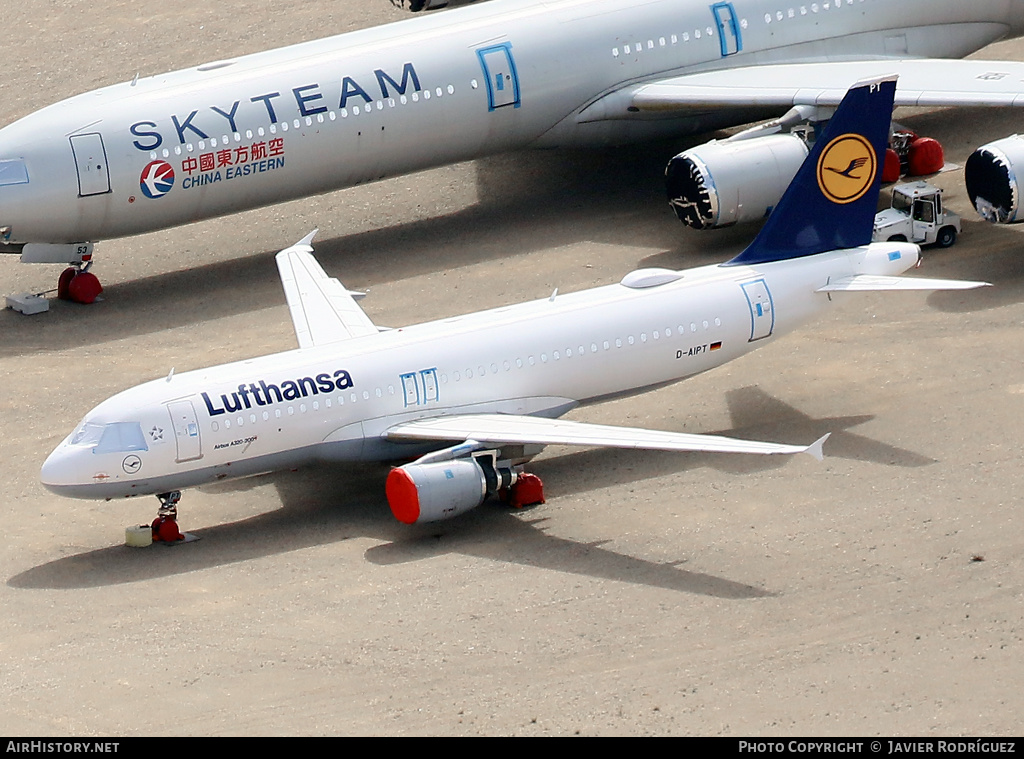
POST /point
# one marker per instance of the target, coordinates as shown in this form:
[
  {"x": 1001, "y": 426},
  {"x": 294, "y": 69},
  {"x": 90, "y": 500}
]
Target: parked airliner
[
  {"x": 235, "y": 134},
  {"x": 476, "y": 396}
]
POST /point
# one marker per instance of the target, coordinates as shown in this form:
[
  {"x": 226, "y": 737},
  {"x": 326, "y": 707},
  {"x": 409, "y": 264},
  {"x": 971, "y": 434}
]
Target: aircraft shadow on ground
[{"x": 330, "y": 504}]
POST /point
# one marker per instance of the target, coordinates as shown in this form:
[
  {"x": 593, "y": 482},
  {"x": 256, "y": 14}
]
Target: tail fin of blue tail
[{"x": 831, "y": 202}]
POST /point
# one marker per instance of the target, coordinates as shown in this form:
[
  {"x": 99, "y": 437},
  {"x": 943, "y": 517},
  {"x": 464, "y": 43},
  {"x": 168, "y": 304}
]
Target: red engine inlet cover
[
  {"x": 925, "y": 157},
  {"x": 891, "y": 167},
  {"x": 403, "y": 498}
]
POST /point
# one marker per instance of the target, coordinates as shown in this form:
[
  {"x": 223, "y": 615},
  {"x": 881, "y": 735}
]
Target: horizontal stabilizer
[
  {"x": 505, "y": 429},
  {"x": 871, "y": 283},
  {"x": 322, "y": 310}
]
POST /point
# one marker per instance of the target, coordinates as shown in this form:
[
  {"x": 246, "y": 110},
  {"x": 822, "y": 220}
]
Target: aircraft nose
[
  {"x": 53, "y": 474},
  {"x": 60, "y": 473}
]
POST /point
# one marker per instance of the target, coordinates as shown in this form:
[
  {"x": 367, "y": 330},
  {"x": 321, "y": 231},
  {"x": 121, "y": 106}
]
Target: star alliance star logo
[{"x": 156, "y": 433}]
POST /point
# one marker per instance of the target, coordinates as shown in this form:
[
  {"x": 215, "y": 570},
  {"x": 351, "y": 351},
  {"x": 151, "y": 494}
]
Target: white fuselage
[
  {"x": 506, "y": 74},
  {"x": 539, "y": 358}
]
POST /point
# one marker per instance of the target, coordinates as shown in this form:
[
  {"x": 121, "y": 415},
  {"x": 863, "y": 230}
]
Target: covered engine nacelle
[
  {"x": 437, "y": 490},
  {"x": 728, "y": 182},
  {"x": 991, "y": 178}
]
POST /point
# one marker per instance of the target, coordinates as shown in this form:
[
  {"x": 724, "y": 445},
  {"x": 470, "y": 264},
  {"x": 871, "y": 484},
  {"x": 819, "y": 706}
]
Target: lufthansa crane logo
[{"x": 846, "y": 168}]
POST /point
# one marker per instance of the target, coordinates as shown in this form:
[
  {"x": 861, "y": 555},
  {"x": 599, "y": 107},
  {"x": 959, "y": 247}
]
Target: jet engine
[
  {"x": 728, "y": 182},
  {"x": 436, "y": 490},
  {"x": 991, "y": 177}
]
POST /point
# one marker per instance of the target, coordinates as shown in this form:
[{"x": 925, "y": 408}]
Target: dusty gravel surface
[{"x": 876, "y": 593}]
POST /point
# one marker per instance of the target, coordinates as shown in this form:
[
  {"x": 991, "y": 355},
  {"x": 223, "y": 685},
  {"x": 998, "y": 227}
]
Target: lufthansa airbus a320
[{"x": 477, "y": 396}]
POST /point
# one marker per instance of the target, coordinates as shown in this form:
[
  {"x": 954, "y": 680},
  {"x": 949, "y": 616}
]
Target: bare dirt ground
[{"x": 652, "y": 594}]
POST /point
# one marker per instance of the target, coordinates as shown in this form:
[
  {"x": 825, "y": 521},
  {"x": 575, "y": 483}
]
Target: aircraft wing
[
  {"x": 497, "y": 429},
  {"x": 322, "y": 310},
  {"x": 922, "y": 82},
  {"x": 872, "y": 282}
]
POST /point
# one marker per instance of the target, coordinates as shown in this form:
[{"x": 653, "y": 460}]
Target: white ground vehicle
[{"x": 917, "y": 215}]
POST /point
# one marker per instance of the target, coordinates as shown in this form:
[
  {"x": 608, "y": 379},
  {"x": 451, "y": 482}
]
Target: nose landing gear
[
  {"x": 78, "y": 284},
  {"x": 165, "y": 526}
]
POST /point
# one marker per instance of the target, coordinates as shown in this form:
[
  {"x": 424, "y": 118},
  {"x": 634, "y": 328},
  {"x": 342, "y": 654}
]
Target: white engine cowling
[
  {"x": 733, "y": 181},
  {"x": 436, "y": 490},
  {"x": 432, "y": 492},
  {"x": 991, "y": 178}
]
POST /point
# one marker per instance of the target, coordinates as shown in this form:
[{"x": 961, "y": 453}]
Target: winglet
[
  {"x": 814, "y": 449},
  {"x": 831, "y": 202},
  {"x": 307, "y": 241}
]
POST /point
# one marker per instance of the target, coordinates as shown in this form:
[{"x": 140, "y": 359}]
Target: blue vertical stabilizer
[{"x": 831, "y": 202}]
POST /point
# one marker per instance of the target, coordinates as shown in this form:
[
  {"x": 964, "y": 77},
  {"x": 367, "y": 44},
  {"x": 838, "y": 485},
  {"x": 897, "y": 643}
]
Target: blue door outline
[
  {"x": 499, "y": 68},
  {"x": 762, "y": 309},
  {"x": 419, "y": 388},
  {"x": 729, "y": 36},
  {"x": 410, "y": 389}
]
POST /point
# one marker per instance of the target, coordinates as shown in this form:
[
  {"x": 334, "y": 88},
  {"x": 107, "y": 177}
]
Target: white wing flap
[
  {"x": 322, "y": 310},
  {"x": 872, "y": 282},
  {"x": 923, "y": 82},
  {"x": 496, "y": 429}
]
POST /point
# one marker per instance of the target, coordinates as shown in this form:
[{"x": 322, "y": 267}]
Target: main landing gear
[{"x": 78, "y": 284}]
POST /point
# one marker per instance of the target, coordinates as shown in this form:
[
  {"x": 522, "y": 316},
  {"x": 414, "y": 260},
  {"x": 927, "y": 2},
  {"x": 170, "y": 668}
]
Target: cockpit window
[
  {"x": 120, "y": 437},
  {"x": 13, "y": 171},
  {"x": 117, "y": 437},
  {"x": 87, "y": 435}
]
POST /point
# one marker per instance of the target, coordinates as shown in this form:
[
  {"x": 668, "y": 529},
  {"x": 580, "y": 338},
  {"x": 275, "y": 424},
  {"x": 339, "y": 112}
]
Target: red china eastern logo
[{"x": 157, "y": 179}]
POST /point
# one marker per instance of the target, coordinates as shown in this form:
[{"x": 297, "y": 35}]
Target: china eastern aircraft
[
  {"x": 476, "y": 396},
  {"x": 236, "y": 134}
]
